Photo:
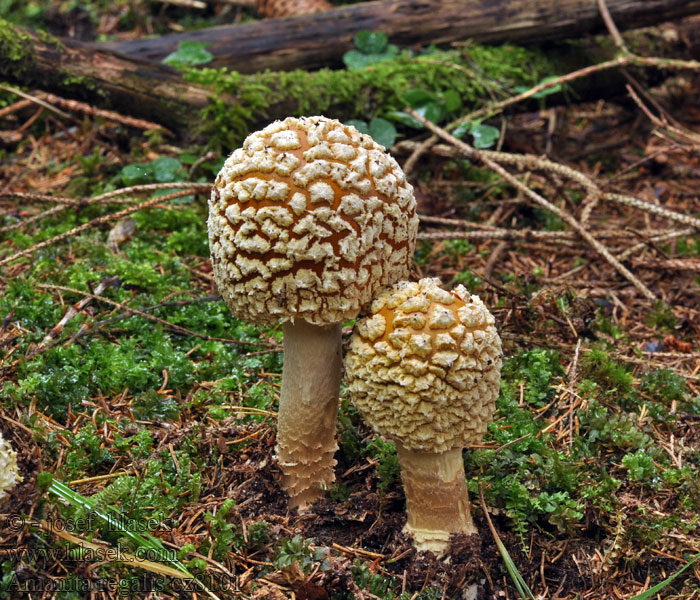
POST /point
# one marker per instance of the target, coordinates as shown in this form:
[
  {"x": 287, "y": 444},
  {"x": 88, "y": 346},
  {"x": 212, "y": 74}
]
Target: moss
[
  {"x": 373, "y": 91},
  {"x": 51, "y": 40},
  {"x": 18, "y": 56},
  {"x": 15, "y": 49}
]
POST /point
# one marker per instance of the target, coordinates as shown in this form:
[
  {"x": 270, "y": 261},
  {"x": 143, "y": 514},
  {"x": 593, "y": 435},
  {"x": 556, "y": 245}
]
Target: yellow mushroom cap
[
  {"x": 309, "y": 219},
  {"x": 424, "y": 367}
]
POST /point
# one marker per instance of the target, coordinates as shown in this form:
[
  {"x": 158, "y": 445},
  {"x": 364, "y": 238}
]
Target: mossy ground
[
  {"x": 589, "y": 471},
  {"x": 473, "y": 72}
]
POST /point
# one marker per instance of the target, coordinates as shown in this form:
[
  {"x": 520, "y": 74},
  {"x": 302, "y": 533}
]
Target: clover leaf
[
  {"x": 372, "y": 47},
  {"x": 189, "y": 54}
]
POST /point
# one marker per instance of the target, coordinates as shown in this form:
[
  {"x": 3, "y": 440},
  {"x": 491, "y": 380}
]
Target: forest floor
[{"x": 124, "y": 376}]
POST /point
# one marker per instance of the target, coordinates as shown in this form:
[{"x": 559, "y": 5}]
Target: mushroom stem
[
  {"x": 308, "y": 410},
  {"x": 436, "y": 497}
]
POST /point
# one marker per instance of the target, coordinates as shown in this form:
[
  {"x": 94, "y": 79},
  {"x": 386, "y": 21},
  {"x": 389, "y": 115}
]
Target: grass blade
[
  {"x": 651, "y": 592},
  {"x": 147, "y": 542},
  {"x": 523, "y": 589}
]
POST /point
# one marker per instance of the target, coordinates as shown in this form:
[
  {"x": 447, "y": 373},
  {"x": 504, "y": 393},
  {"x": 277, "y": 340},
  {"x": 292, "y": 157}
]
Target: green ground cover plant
[{"x": 149, "y": 415}]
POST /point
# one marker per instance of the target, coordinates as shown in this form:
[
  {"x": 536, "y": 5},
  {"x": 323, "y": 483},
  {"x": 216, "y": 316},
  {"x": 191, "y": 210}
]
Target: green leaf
[
  {"x": 652, "y": 592},
  {"x": 520, "y": 89},
  {"x": 403, "y": 117},
  {"x": 425, "y": 104},
  {"x": 371, "y": 42},
  {"x": 382, "y": 132},
  {"x": 372, "y": 47},
  {"x": 484, "y": 135},
  {"x": 189, "y": 54},
  {"x": 451, "y": 100},
  {"x": 432, "y": 112},
  {"x": 136, "y": 174},
  {"x": 417, "y": 98},
  {"x": 355, "y": 59},
  {"x": 167, "y": 169},
  {"x": 523, "y": 590},
  {"x": 461, "y": 129},
  {"x": 361, "y": 126}
]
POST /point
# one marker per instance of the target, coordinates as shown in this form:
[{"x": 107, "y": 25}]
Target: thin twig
[
  {"x": 77, "y": 106},
  {"x": 533, "y": 235},
  {"x": 692, "y": 266},
  {"x": 94, "y": 327},
  {"x": 537, "y": 163},
  {"x": 660, "y": 211},
  {"x": 94, "y": 223},
  {"x": 484, "y": 158},
  {"x": 150, "y": 187},
  {"x": 42, "y": 215},
  {"x": 32, "y": 197},
  {"x": 612, "y": 28},
  {"x": 657, "y": 238},
  {"x": 19, "y": 105},
  {"x": 57, "y": 329},
  {"x": 686, "y": 136},
  {"x": 108, "y": 197},
  {"x": 38, "y": 101},
  {"x": 573, "y": 376},
  {"x": 186, "y": 3},
  {"x": 492, "y": 110},
  {"x": 645, "y": 362},
  {"x": 140, "y": 313}
]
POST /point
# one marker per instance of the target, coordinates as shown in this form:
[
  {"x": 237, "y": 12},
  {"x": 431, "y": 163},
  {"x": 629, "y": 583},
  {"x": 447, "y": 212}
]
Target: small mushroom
[
  {"x": 424, "y": 370},
  {"x": 308, "y": 221}
]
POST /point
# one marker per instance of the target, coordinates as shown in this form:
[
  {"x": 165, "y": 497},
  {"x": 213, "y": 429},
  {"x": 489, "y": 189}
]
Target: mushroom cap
[
  {"x": 424, "y": 367},
  {"x": 309, "y": 219}
]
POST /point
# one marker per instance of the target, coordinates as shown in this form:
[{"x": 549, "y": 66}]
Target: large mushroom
[
  {"x": 308, "y": 221},
  {"x": 424, "y": 370}
]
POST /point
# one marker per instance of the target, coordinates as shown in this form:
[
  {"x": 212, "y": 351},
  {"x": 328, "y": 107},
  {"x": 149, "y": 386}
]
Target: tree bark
[
  {"x": 159, "y": 94},
  {"x": 313, "y": 41},
  {"x": 132, "y": 86}
]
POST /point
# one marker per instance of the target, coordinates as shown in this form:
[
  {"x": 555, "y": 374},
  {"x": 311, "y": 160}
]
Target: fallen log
[
  {"x": 133, "y": 86},
  {"x": 234, "y": 104},
  {"x": 317, "y": 40}
]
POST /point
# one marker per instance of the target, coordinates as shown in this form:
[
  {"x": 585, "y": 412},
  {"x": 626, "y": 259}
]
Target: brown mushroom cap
[
  {"x": 309, "y": 219},
  {"x": 424, "y": 367}
]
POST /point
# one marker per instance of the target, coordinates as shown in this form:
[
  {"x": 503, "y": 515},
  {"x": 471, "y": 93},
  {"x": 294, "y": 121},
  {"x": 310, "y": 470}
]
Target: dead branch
[
  {"x": 321, "y": 39},
  {"x": 537, "y": 163},
  {"x": 490, "y": 163},
  {"x": 99, "y": 221}
]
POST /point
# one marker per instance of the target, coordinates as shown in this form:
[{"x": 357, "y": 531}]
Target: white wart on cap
[
  {"x": 9, "y": 473},
  {"x": 424, "y": 367},
  {"x": 309, "y": 219}
]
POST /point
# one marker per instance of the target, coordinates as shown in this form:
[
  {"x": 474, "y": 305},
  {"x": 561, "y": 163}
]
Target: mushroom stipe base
[
  {"x": 436, "y": 497},
  {"x": 308, "y": 410}
]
